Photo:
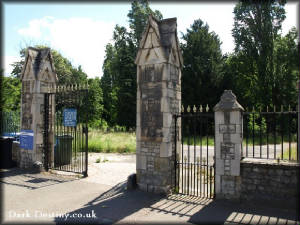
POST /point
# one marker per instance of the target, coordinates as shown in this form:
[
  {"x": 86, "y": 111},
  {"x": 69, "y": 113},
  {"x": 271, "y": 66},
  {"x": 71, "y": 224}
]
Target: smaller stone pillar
[{"x": 228, "y": 140}]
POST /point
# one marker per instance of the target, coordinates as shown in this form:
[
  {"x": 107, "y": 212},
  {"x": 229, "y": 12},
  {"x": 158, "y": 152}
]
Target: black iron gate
[
  {"x": 194, "y": 163},
  {"x": 68, "y": 150}
]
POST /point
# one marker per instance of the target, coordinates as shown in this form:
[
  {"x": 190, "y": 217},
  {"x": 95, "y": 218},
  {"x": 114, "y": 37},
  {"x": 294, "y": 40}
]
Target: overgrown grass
[
  {"x": 112, "y": 142},
  {"x": 198, "y": 141},
  {"x": 293, "y": 154}
]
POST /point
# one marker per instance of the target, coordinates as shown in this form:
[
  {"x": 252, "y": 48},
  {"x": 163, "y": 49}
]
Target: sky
[{"x": 80, "y": 31}]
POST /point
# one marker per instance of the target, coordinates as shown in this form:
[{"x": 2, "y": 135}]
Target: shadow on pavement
[
  {"x": 220, "y": 212},
  {"x": 118, "y": 203},
  {"x": 30, "y": 179},
  {"x": 111, "y": 206}
]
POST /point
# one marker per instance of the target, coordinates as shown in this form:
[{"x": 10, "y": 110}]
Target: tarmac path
[{"x": 102, "y": 198}]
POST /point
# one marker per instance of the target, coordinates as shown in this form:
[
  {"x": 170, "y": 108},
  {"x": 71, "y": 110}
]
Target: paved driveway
[{"x": 102, "y": 198}]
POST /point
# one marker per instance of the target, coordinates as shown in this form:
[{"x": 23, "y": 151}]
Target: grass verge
[
  {"x": 112, "y": 142},
  {"x": 290, "y": 155}
]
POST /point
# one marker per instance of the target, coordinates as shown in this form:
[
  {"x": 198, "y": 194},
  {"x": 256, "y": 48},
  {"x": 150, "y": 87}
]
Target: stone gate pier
[
  {"x": 159, "y": 61},
  {"x": 228, "y": 140},
  {"x": 38, "y": 77}
]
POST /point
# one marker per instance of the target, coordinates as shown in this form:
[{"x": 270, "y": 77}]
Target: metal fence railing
[
  {"x": 271, "y": 135},
  {"x": 194, "y": 161},
  {"x": 10, "y": 124}
]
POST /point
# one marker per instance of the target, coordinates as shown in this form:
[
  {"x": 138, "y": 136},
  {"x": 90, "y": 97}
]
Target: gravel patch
[{"x": 112, "y": 169}]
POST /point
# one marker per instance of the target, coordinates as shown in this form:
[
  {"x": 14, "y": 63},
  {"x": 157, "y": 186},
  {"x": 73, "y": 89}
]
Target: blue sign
[
  {"x": 70, "y": 117},
  {"x": 26, "y": 139}
]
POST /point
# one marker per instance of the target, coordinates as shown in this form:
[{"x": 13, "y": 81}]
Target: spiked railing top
[
  {"x": 195, "y": 109},
  {"x": 72, "y": 87}
]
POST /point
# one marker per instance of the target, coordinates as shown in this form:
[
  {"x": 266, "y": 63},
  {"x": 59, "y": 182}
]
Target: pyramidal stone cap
[{"x": 228, "y": 102}]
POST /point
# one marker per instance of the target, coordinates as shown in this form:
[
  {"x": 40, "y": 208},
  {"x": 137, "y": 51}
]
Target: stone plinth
[
  {"x": 228, "y": 139},
  {"x": 38, "y": 77},
  {"x": 158, "y": 98}
]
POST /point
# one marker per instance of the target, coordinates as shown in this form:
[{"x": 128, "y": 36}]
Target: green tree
[
  {"x": 138, "y": 18},
  {"x": 11, "y": 94},
  {"x": 67, "y": 74},
  {"x": 286, "y": 68},
  {"x": 125, "y": 71},
  {"x": 235, "y": 76},
  {"x": 202, "y": 58},
  {"x": 256, "y": 26},
  {"x": 94, "y": 103},
  {"x": 119, "y": 70},
  {"x": 108, "y": 85}
]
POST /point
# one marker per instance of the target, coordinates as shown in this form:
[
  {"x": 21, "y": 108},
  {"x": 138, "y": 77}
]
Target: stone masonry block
[
  {"x": 167, "y": 119},
  {"x": 219, "y": 166},
  {"x": 165, "y": 149},
  {"x": 141, "y": 162},
  {"x": 165, "y": 105},
  {"x": 219, "y": 118},
  {"x": 161, "y": 164},
  {"x": 235, "y": 117},
  {"x": 236, "y": 138}
]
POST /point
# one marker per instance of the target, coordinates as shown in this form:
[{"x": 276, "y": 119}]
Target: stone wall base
[
  {"x": 164, "y": 190},
  {"x": 270, "y": 183},
  {"x": 26, "y": 159},
  {"x": 230, "y": 188}
]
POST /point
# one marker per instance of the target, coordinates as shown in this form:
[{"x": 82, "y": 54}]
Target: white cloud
[
  {"x": 7, "y": 61},
  {"x": 82, "y": 40}
]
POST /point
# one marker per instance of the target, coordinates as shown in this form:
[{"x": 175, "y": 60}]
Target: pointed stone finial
[
  {"x": 267, "y": 108},
  {"x": 228, "y": 102},
  {"x": 201, "y": 108}
]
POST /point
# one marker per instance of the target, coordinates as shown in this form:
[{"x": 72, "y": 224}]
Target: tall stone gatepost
[
  {"x": 159, "y": 63},
  {"x": 228, "y": 140},
  {"x": 38, "y": 77}
]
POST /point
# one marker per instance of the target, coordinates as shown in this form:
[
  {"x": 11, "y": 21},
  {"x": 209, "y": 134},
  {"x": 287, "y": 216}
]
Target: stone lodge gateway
[{"x": 239, "y": 163}]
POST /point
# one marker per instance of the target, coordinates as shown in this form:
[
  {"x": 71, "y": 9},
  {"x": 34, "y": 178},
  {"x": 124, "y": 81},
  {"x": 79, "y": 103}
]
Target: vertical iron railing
[
  {"x": 194, "y": 164},
  {"x": 46, "y": 131},
  {"x": 70, "y": 141},
  {"x": 271, "y": 134},
  {"x": 10, "y": 123}
]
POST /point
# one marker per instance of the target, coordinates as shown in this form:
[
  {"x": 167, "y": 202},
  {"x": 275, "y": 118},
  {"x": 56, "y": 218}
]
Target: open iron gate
[
  {"x": 68, "y": 148},
  {"x": 194, "y": 163}
]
